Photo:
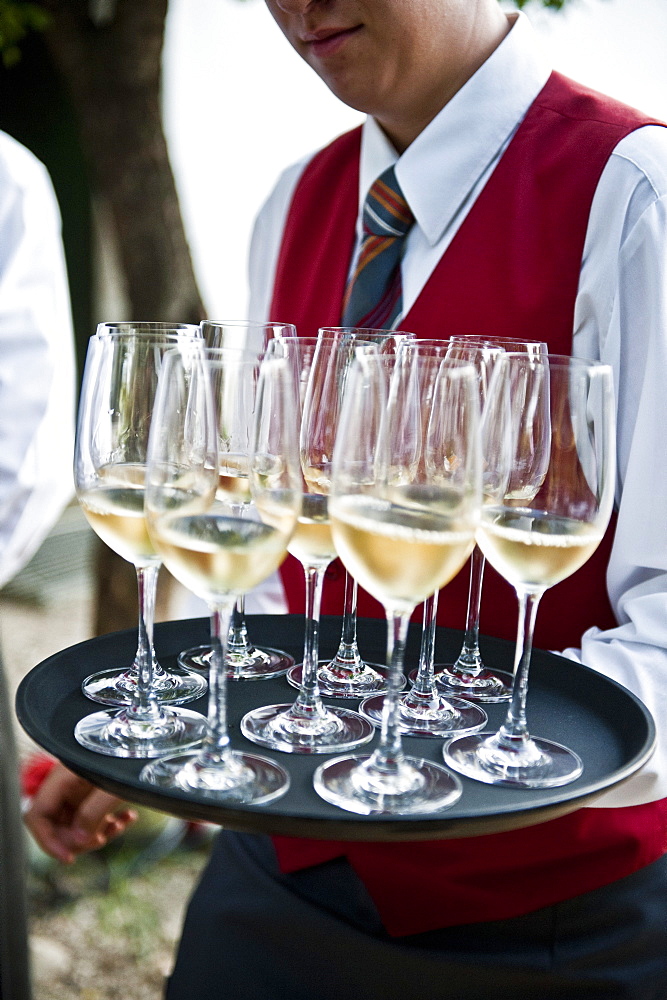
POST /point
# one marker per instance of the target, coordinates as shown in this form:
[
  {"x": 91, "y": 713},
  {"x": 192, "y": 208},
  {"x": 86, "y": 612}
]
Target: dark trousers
[
  {"x": 252, "y": 932},
  {"x": 14, "y": 969}
]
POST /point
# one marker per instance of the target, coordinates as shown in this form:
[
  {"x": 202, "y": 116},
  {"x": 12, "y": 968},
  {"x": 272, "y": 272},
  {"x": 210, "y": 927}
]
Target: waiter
[{"x": 529, "y": 207}]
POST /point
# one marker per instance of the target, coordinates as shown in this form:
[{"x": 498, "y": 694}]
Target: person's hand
[{"x": 68, "y": 816}]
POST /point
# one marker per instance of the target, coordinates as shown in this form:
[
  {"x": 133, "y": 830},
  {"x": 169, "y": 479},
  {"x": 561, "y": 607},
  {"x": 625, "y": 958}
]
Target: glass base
[
  {"x": 452, "y": 716},
  {"x": 536, "y": 763},
  {"x": 117, "y": 734},
  {"x": 117, "y": 688},
  {"x": 279, "y": 727},
  {"x": 264, "y": 664},
  {"x": 342, "y": 683},
  {"x": 423, "y": 787},
  {"x": 241, "y": 777},
  {"x": 488, "y": 686}
]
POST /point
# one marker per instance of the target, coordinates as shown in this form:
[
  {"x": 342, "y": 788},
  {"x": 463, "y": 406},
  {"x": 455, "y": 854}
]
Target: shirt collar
[{"x": 440, "y": 169}]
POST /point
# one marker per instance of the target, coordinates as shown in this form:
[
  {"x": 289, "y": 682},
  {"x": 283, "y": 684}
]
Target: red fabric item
[
  {"x": 441, "y": 883},
  {"x": 34, "y": 771},
  {"x": 513, "y": 270}
]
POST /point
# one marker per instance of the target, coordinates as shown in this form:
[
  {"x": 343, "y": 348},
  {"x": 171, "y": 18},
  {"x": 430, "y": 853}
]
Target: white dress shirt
[
  {"x": 37, "y": 369},
  {"x": 620, "y": 318}
]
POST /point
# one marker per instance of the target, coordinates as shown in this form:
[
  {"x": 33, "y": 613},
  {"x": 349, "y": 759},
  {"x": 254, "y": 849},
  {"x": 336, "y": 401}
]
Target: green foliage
[
  {"x": 549, "y": 4},
  {"x": 17, "y": 18}
]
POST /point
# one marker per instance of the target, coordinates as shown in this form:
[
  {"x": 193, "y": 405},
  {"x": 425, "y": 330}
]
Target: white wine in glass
[
  {"x": 423, "y": 709},
  {"x": 112, "y": 500},
  {"x": 347, "y": 674},
  {"x": 214, "y": 554},
  {"x": 469, "y": 676},
  {"x": 117, "y": 399},
  {"x": 308, "y": 725},
  {"x": 245, "y": 661},
  {"x": 563, "y": 415},
  {"x": 405, "y": 498}
]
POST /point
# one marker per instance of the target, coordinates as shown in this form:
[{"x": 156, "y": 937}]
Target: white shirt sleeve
[
  {"x": 37, "y": 369},
  {"x": 621, "y": 318}
]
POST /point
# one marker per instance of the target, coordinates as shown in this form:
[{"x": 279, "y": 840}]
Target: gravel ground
[
  {"x": 100, "y": 935},
  {"x": 104, "y": 928}
]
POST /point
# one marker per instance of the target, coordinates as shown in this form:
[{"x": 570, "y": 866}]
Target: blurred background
[{"x": 164, "y": 124}]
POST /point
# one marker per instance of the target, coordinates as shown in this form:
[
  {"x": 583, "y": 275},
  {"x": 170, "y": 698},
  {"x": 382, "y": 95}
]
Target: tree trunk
[{"x": 109, "y": 53}]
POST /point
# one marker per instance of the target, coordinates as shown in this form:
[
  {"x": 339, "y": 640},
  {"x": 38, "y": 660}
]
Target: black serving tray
[{"x": 605, "y": 724}]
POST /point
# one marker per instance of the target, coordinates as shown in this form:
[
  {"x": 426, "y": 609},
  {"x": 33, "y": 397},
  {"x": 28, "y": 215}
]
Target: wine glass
[
  {"x": 117, "y": 399},
  {"x": 308, "y": 726},
  {"x": 563, "y": 415},
  {"x": 423, "y": 710},
  {"x": 213, "y": 553},
  {"x": 116, "y": 686},
  {"x": 347, "y": 675},
  {"x": 405, "y": 500},
  {"x": 468, "y": 676},
  {"x": 244, "y": 660}
]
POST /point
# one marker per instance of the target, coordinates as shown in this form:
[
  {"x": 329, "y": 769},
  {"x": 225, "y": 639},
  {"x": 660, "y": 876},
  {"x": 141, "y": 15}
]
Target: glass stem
[
  {"x": 514, "y": 730},
  {"x": 308, "y": 702},
  {"x": 424, "y": 683},
  {"x": 470, "y": 659},
  {"x": 237, "y": 640},
  {"x": 238, "y": 631},
  {"x": 348, "y": 652},
  {"x": 389, "y": 754},
  {"x": 215, "y": 745},
  {"x": 145, "y": 706}
]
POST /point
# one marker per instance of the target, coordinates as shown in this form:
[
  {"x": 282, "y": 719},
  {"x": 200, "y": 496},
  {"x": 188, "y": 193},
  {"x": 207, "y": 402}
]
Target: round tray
[{"x": 605, "y": 724}]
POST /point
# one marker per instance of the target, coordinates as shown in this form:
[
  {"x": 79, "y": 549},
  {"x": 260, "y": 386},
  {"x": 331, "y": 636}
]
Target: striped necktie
[{"x": 374, "y": 296}]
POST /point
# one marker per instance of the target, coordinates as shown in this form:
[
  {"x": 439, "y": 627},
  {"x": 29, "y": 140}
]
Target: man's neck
[{"x": 481, "y": 41}]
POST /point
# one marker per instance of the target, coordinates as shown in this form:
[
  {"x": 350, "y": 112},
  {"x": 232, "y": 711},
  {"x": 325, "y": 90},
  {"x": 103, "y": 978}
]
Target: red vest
[{"x": 511, "y": 270}]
